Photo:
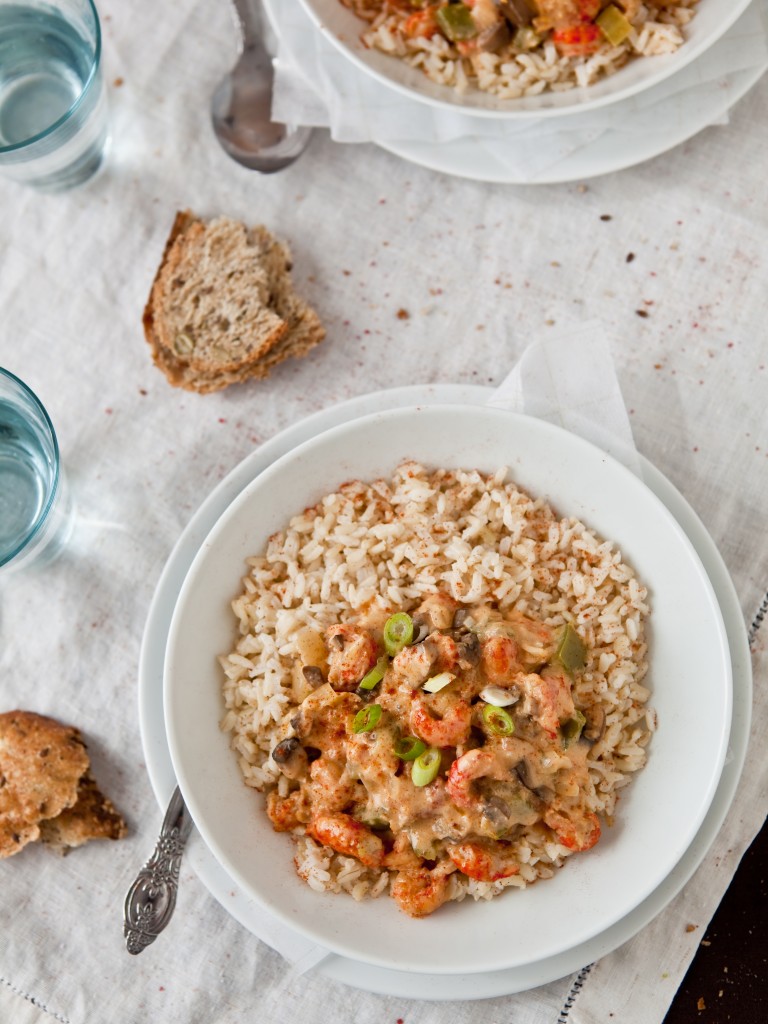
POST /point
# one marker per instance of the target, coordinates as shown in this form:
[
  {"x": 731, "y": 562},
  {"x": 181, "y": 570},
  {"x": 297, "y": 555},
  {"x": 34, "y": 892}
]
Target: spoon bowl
[{"x": 241, "y": 104}]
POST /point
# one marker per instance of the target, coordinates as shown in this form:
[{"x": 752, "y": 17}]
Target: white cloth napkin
[
  {"x": 569, "y": 379},
  {"x": 316, "y": 85}
]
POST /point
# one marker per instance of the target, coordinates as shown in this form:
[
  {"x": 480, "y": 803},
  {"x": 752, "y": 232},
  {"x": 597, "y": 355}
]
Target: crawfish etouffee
[
  {"x": 438, "y": 685},
  {"x": 516, "y": 48}
]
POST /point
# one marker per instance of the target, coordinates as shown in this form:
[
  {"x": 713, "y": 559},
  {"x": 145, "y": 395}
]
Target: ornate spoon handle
[{"x": 151, "y": 899}]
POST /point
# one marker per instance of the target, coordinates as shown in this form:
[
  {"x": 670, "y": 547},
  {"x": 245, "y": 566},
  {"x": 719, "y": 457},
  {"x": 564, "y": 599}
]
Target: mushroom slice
[
  {"x": 595, "y": 725},
  {"x": 290, "y": 757},
  {"x": 519, "y": 12},
  {"x": 494, "y": 38},
  {"x": 313, "y": 675}
]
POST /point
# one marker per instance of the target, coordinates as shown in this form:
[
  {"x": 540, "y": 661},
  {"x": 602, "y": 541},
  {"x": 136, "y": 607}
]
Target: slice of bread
[
  {"x": 46, "y": 789},
  {"x": 222, "y": 308}
]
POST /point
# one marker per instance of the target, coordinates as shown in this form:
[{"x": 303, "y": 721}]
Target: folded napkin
[
  {"x": 315, "y": 85},
  {"x": 568, "y": 379}
]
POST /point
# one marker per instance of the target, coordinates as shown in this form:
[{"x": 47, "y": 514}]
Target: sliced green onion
[
  {"x": 426, "y": 766},
  {"x": 375, "y": 675},
  {"x": 408, "y": 748},
  {"x": 570, "y": 730},
  {"x": 435, "y": 683},
  {"x": 366, "y": 718},
  {"x": 498, "y": 720},
  {"x": 571, "y": 650},
  {"x": 398, "y": 632}
]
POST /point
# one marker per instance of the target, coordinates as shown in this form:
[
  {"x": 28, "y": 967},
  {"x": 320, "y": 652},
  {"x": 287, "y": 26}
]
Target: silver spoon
[
  {"x": 150, "y": 901},
  {"x": 241, "y": 104}
]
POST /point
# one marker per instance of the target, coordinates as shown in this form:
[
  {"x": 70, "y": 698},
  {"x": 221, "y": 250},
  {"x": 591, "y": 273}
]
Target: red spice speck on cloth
[{"x": 222, "y": 420}]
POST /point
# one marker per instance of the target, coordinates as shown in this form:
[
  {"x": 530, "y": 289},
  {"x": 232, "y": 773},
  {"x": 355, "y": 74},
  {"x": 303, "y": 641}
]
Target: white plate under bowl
[
  {"x": 690, "y": 672},
  {"x": 251, "y": 915},
  {"x": 342, "y": 28}
]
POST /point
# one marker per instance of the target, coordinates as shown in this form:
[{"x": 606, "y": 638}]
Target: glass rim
[
  {"x": 17, "y": 146},
  {"x": 44, "y": 513}
]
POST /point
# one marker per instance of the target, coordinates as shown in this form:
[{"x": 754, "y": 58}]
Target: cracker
[
  {"x": 46, "y": 789},
  {"x": 41, "y": 764}
]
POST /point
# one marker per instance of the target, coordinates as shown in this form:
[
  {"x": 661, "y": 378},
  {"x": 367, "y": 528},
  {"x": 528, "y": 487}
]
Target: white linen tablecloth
[{"x": 419, "y": 278}]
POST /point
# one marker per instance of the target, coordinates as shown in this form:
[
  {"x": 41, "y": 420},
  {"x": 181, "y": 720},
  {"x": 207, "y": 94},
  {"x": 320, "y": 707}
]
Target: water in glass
[{"x": 26, "y": 474}]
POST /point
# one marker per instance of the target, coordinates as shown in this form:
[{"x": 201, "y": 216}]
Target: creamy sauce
[{"x": 499, "y": 772}]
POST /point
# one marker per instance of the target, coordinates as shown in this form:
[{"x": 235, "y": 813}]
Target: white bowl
[
  {"x": 344, "y": 29},
  {"x": 658, "y": 815}
]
